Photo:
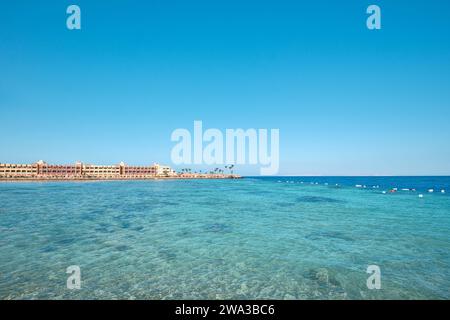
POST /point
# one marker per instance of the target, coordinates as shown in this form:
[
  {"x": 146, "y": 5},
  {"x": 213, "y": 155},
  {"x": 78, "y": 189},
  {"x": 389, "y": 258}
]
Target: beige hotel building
[{"x": 44, "y": 170}]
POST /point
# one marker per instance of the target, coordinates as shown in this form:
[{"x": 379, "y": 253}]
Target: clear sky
[{"x": 347, "y": 100}]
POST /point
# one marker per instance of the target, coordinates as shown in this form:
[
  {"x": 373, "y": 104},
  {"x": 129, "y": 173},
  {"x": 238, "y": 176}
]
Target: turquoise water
[{"x": 253, "y": 238}]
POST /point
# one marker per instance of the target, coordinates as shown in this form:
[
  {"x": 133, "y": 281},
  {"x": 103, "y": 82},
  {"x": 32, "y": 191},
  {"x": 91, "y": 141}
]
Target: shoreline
[{"x": 114, "y": 179}]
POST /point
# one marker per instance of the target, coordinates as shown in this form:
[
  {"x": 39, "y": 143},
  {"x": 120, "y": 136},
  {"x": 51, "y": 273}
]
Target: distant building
[
  {"x": 80, "y": 170},
  {"x": 163, "y": 170}
]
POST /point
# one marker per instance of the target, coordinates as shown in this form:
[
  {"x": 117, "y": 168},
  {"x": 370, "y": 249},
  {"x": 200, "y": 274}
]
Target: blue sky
[{"x": 347, "y": 100}]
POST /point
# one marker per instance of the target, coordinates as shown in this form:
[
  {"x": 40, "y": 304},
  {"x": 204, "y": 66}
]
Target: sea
[{"x": 251, "y": 238}]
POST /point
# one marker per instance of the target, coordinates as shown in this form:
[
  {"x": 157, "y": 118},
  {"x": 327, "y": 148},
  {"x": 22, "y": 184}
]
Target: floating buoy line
[{"x": 362, "y": 186}]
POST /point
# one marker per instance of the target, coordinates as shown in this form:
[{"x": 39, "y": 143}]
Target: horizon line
[{"x": 363, "y": 176}]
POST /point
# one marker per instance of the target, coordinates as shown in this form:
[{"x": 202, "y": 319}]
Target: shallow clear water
[{"x": 253, "y": 238}]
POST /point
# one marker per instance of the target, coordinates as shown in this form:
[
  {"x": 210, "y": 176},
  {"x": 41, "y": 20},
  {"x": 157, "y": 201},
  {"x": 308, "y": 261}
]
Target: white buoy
[
  {"x": 430, "y": 190},
  {"x": 442, "y": 191},
  {"x": 358, "y": 186},
  {"x": 420, "y": 195},
  {"x": 384, "y": 192}
]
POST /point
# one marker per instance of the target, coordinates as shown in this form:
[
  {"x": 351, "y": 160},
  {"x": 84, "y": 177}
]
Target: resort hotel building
[{"x": 80, "y": 170}]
